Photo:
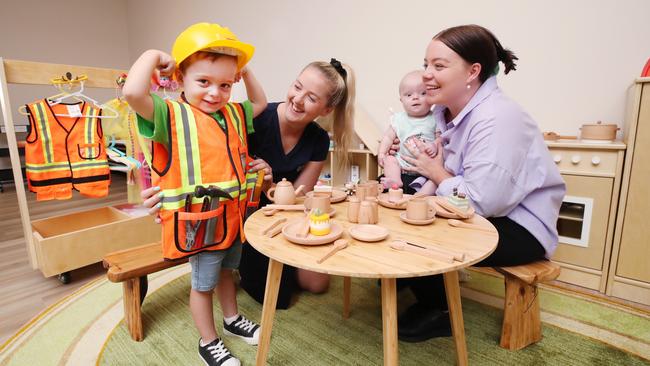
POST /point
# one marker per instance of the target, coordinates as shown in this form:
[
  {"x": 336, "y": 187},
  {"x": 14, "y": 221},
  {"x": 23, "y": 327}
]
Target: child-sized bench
[
  {"x": 131, "y": 267},
  {"x": 521, "y": 318}
]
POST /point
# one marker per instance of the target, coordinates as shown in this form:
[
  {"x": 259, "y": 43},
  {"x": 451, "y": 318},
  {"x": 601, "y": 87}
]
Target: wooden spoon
[
  {"x": 338, "y": 245},
  {"x": 467, "y": 225},
  {"x": 403, "y": 246}
]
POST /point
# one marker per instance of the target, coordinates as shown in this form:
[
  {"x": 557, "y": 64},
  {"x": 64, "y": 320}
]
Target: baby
[{"x": 415, "y": 122}]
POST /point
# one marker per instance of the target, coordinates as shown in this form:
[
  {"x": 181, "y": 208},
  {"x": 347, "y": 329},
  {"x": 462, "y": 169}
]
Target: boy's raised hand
[{"x": 166, "y": 64}]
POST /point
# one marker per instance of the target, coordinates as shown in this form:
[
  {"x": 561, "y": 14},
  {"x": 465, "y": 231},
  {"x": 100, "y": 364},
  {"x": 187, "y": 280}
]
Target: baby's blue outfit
[{"x": 406, "y": 127}]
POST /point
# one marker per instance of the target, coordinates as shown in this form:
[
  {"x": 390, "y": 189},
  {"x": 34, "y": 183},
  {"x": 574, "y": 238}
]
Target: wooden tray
[
  {"x": 337, "y": 195},
  {"x": 402, "y": 216},
  {"x": 290, "y": 229},
  {"x": 442, "y": 212},
  {"x": 367, "y": 232},
  {"x": 382, "y": 198}
]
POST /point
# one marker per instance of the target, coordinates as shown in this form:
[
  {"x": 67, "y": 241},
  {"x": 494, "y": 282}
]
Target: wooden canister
[{"x": 353, "y": 209}]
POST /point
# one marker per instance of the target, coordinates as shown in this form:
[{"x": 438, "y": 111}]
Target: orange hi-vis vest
[
  {"x": 64, "y": 152},
  {"x": 201, "y": 152}
]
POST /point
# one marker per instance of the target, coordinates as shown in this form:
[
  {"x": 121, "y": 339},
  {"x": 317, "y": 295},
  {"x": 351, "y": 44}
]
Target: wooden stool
[
  {"x": 521, "y": 318},
  {"x": 131, "y": 267}
]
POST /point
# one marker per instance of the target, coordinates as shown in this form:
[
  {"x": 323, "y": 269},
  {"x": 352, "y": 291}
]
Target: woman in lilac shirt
[{"x": 492, "y": 151}]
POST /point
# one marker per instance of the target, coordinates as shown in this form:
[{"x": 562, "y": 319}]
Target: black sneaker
[
  {"x": 244, "y": 329},
  {"x": 215, "y": 353}
]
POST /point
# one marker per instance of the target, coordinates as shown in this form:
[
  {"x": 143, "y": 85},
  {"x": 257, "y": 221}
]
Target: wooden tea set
[{"x": 317, "y": 227}]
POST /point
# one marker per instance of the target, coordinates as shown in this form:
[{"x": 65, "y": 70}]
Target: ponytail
[
  {"x": 341, "y": 77},
  {"x": 505, "y": 55}
]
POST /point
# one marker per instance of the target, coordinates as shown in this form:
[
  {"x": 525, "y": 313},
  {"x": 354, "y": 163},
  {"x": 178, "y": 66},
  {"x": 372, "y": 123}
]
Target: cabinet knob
[
  {"x": 557, "y": 158},
  {"x": 575, "y": 159},
  {"x": 595, "y": 160}
]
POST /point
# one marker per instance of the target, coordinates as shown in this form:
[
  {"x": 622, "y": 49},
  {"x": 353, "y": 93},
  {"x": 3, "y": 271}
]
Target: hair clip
[
  {"x": 339, "y": 68},
  {"x": 165, "y": 83}
]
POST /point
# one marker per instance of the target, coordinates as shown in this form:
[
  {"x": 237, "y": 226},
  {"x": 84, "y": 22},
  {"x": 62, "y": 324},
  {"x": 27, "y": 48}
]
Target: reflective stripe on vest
[{"x": 201, "y": 152}]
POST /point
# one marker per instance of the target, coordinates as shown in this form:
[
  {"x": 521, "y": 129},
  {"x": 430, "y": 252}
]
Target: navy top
[{"x": 266, "y": 143}]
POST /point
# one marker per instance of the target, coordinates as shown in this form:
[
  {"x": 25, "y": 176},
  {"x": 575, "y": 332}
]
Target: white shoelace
[
  {"x": 219, "y": 351},
  {"x": 245, "y": 324}
]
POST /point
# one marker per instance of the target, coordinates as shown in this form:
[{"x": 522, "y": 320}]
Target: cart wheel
[
  {"x": 144, "y": 286},
  {"x": 64, "y": 277}
]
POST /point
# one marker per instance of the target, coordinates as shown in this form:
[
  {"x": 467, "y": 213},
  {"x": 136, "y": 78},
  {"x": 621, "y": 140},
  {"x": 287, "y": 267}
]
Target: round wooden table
[{"x": 374, "y": 260}]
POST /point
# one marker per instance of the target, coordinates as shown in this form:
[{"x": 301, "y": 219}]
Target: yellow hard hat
[{"x": 211, "y": 38}]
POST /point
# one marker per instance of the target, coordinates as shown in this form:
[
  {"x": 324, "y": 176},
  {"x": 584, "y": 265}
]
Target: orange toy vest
[
  {"x": 202, "y": 153},
  {"x": 63, "y": 152}
]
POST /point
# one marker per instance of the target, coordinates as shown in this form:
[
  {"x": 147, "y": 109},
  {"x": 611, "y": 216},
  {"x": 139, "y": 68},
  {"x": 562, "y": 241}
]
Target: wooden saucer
[
  {"x": 337, "y": 195},
  {"x": 382, "y": 198},
  {"x": 443, "y": 212},
  {"x": 332, "y": 211},
  {"x": 402, "y": 216},
  {"x": 289, "y": 231},
  {"x": 368, "y": 232}
]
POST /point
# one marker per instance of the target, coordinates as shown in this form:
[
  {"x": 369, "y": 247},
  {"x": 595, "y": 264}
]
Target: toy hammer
[{"x": 214, "y": 193}]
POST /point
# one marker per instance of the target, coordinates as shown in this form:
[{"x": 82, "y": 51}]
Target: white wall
[
  {"x": 73, "y": 32},
  {"x": 576, "y": 57}
]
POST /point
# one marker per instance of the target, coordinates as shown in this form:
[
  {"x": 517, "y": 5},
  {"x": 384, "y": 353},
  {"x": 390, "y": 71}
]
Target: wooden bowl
[
  {"x": 367, "y": 232},
  {"x": 382, "y": 198},
  {"x": 402, "y": 216},
  {"x": 289, "y": 231},
  {"x": 442, "y": 212},
  {"x": 337, "y": 195}
]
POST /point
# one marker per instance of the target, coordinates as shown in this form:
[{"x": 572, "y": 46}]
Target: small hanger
[{"x": 65, "y": 84}]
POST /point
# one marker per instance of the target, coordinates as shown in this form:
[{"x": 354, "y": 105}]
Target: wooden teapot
[{"x": 283, "y": 193}]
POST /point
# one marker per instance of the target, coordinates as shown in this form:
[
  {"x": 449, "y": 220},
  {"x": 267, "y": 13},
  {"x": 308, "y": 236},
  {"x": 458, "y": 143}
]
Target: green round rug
[{"x": 87, "y": 329}]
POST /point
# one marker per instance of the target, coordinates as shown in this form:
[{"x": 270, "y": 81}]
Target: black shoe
[
  {"x": 215, "y": 353},
  {"x": 417, "y": 325},
  {"x": 244, "y": 329}
]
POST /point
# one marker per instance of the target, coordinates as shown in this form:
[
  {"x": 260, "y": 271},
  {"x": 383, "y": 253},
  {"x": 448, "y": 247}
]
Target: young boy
[
  {"x": 200, "y": 157},
  {"x": 415, "y": 122}
]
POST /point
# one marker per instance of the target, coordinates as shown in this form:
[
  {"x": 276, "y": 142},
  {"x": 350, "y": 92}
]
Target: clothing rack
[{"x": 37, "y": 73}]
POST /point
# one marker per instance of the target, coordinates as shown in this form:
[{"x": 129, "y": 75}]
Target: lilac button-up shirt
[{"x": 500, "y": 160}]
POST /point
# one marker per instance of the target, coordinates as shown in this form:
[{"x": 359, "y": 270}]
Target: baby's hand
[{"x": 430, "y": 149}]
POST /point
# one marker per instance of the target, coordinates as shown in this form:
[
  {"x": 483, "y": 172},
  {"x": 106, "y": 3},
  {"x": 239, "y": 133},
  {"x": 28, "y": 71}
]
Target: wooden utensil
[
  {"x": 458, "y": 256},
  {"x": 275, "y": 231},
  {"x": 467, "y": 225},
  {"x": 299, "y": 207},
  {"x": 272, "y": 225},
  {"x": 554, "y": 136},
  {"x": 404, "y": 246},
  {"x": 338, "y": 245},
  {"x": 303, "y": 230}
]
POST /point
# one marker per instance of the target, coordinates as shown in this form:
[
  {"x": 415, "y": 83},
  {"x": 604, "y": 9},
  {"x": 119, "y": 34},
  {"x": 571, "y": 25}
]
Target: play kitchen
[
  {"x": 363, "y": 221},
  {"x": 591, "y": 168},
  {"x": 598, "y": 132}
]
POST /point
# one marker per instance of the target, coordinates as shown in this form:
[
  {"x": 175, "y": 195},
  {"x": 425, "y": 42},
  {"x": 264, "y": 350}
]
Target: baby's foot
[{"x": 390, "y": 183}]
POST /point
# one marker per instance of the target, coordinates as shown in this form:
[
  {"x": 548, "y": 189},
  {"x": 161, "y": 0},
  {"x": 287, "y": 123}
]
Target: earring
[{"x": 468, "y": 86}]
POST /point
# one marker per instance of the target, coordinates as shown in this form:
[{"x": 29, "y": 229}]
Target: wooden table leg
[
  {"x": 389, "y": 321},
  {"x": 132, "y": 311},
  {"x": 452, "y": 289},
  {"x": 268, "y": 310},
  {"x": 347, "y": 284}
]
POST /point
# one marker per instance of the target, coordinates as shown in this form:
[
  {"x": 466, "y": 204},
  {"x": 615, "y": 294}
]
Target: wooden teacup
[
  {"x": 321, "y": 201},
  {"x": 420, "y": 209}
]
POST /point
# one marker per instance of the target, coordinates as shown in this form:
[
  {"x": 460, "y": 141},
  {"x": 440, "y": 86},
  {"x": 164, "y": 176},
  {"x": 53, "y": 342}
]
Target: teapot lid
[{"x": 284, "y": 183}]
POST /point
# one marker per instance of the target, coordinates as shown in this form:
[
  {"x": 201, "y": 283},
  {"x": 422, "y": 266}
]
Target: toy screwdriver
[{"x": 257, "y": 191}]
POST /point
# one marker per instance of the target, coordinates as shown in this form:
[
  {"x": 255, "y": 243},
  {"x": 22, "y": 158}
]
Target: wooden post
[
  {"x": 132, "y": 311},
  {"x": 452, "y": 289},
  {"x": 268, "y": 310},
  {"x": 389, "y": 321},
  {"x": 521, "y": 316},
  {"x": 347, "y": 285}
]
